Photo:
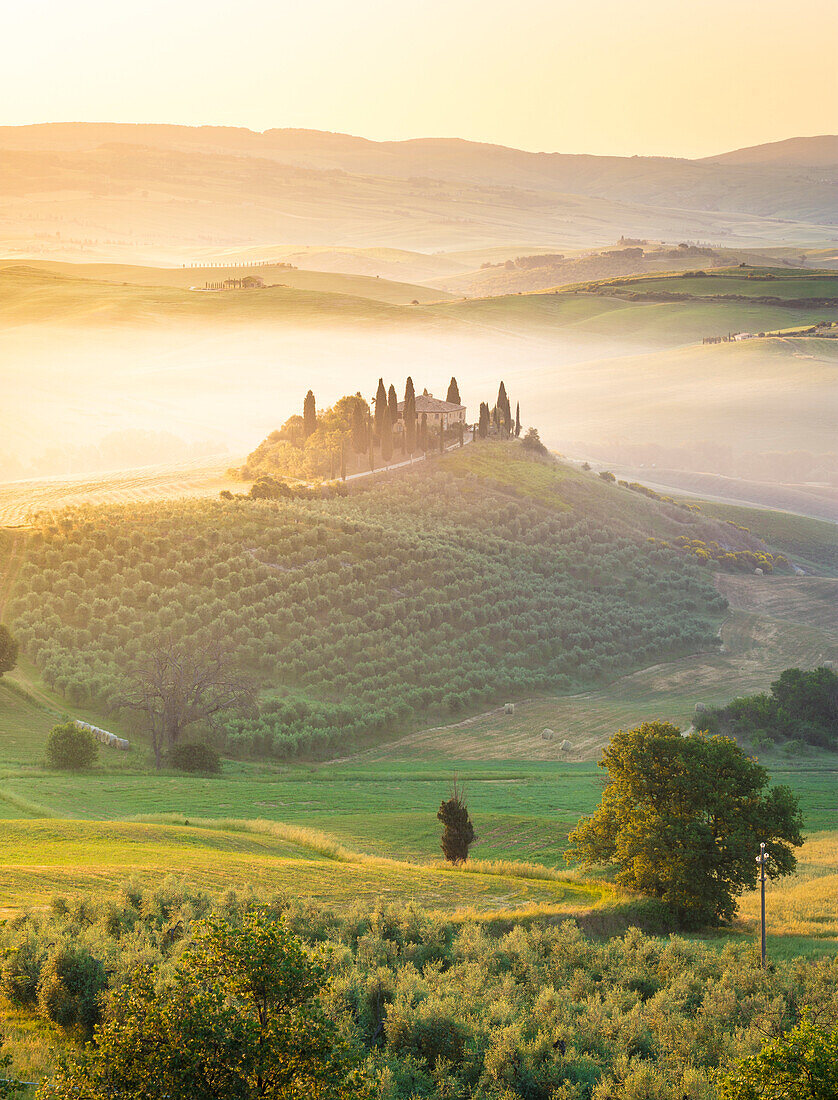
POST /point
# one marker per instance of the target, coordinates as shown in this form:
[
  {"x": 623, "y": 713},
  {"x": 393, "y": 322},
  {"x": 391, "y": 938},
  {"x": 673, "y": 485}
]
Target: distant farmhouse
[{"x": 435, "y": 411}]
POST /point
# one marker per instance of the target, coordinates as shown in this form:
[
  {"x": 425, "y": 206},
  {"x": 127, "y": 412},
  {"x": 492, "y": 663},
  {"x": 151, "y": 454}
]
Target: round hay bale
[
  {"x": 565, "y": 746},
  {"x": 508, "y": 708},
  {"x": 546, "y": 735},
  {"x": 757, "y": 572}
]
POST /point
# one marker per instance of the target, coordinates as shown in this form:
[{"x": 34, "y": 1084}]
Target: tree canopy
[
  {"x": 682, "y": 819},
  {"x": 8, "y": 650},
  {"x": 802, "y": 704},
  {"x": 802, "y": 1063},
  {"x": 240, "y": 1020}
]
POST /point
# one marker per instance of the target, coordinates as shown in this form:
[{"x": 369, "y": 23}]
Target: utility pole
[{"x": 761, "y": 860}]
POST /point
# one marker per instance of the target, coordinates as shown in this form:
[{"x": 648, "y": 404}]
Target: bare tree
[{"x": 181, "y": 683}]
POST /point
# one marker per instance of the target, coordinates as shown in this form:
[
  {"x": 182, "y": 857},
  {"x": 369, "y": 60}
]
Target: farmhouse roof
[{"x": 427, "y": 403}]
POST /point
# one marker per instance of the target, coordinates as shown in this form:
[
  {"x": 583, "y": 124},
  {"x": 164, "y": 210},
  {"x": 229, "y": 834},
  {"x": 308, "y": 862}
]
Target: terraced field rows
[{"x": 19, "y": 499}]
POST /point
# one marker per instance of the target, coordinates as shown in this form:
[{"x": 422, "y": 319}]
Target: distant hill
[
  {"x": 111, "y": 191},
  {"x": 800, "y": 152}
]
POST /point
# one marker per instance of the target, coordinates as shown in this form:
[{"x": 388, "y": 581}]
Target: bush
[
  {"x": 71, "y": 982},
  {"x": 71, "y": 748},
  {"x": 8, "y": 650},
  {"x": 532, "y": 441},
  {"x": 202, "y": 759}
]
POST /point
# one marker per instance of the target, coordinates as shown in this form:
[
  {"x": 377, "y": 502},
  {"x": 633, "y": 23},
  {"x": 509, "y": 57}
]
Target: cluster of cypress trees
[{"x": 499, "y": 418}]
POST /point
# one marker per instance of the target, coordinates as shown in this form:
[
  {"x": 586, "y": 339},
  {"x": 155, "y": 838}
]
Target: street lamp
[{"x": 762, "y": 859}]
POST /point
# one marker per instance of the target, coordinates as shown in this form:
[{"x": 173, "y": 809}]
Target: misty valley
[{"x": 418, "y": 614}]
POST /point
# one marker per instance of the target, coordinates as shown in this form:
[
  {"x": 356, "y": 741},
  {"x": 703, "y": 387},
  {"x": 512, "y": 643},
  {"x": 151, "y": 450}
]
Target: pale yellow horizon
[{"x": 637, "y": 77}]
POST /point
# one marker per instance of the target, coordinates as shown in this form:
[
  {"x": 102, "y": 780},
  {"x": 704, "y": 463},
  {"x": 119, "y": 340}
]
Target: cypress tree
[
  {"x": 483, "y": 425},
  {"x": 453, "y": 392},
  {"x": 393, "y": 406},
  {"x": 380, "y": 406},
  {"x": 386, "y": 436},
  {"x": 504, "y": 411},
  {"x": 410, "y": 415},
  {"x": 359, "y": 430},
  {"x": 460, "y": 431},
  {"x": 423, "y": 433},
  {"x": 495, "y": 418},
  {"x": 517, "y": 419},
  {"x": 309, "y": 415},
  {"x": 458, "y": 834}
]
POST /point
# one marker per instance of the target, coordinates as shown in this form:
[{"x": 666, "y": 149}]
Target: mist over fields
[{"x": 108, "y": 364}]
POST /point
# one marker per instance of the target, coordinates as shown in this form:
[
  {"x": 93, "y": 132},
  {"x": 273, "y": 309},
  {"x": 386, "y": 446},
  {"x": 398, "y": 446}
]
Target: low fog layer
[{"x": 85, "y": 399}]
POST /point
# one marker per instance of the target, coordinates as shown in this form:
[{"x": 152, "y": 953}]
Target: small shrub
[
  {"x": 202, "y": 759},
  {"x": 71, "y": 981},
  {"x": 71, "y": 748}
]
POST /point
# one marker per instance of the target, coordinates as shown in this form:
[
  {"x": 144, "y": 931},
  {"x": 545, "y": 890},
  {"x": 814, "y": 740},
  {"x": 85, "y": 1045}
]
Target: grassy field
[
  {"x": 19, "y": 500},
  {"x": 763, "y": 282},
  {"x": 774, "y": 623},
  {"x": 810, "y": 541},
  {"x": 185, "y": 278}
]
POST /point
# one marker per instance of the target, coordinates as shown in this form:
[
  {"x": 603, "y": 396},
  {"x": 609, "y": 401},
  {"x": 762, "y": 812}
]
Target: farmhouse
[{"x": 435, "y": 410}]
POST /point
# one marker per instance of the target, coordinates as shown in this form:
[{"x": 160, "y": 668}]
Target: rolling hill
[
  {"x": 169, "y": 192},
  {"x": 616, "y": 361}
]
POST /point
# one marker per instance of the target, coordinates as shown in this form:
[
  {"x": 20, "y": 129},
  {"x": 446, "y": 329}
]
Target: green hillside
[
  {"x": 185, "y": 278},
  {"x": 698, "y": 307},
  {"x": 473, "y": 578},
  {"x": 766, "y": 282},
  {"x": 30, "y": 296}
]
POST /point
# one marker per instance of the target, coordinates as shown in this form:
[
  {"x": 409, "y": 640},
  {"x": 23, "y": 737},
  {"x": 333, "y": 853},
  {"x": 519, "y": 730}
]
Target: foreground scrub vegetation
[
  {"x": 436, "y": 1009},
  {"x": 423, "y": 596}
]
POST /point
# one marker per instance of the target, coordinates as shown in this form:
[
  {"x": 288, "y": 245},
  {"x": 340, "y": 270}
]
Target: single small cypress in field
[
  {"x": 517, "y": 419},
  {"x": 458, "y": 833}
]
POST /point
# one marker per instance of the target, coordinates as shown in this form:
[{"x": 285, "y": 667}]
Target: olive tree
[{"x": 183, "y": 682}]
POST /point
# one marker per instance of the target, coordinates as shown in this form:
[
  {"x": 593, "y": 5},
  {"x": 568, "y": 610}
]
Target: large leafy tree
[
  {"x": 240, "y": 1021},
  {"x": 681, "y": 819},
  {"x": 802, "y": 1064}
]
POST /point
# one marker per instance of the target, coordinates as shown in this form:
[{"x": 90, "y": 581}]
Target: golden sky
[{"x": 669, "y": 77}]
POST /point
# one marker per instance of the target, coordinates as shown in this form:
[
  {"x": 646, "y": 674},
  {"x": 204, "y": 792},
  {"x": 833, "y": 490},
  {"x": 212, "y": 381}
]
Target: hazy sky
[{"x": 676, "y": 77}]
